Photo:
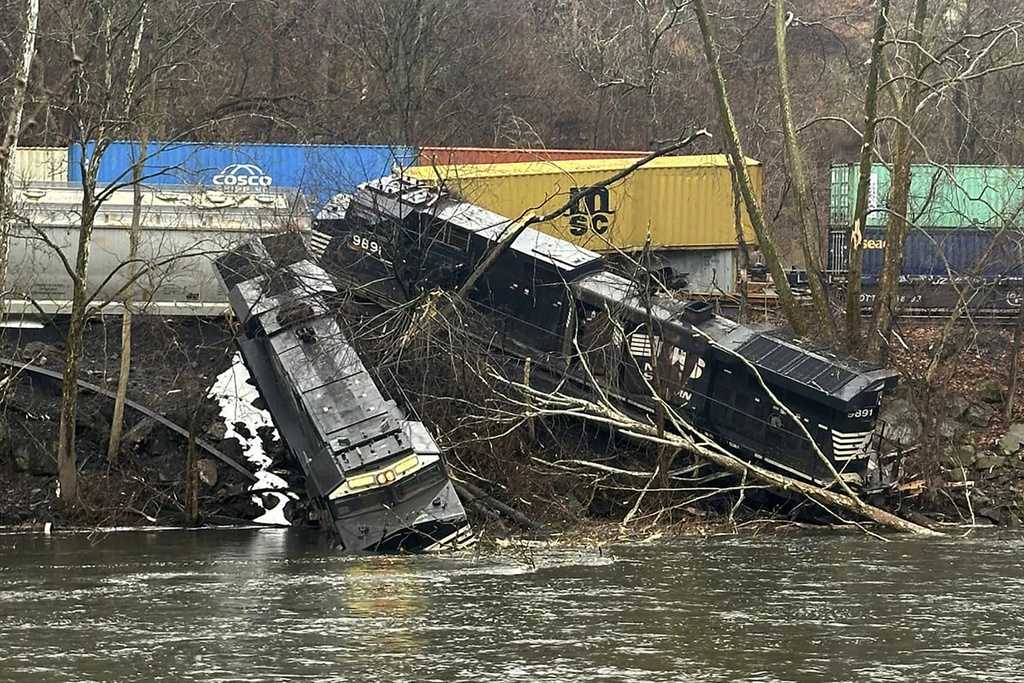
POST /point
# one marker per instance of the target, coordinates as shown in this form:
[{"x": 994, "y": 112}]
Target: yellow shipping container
[
  {"x": 685, "y": 202},
  {"x": 46, "y": 164}
]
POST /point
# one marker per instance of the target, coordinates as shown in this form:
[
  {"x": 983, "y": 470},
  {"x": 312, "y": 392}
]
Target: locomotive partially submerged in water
[
  {"x": 377, "y": 479},
  {"x": 562, "y": 306}
]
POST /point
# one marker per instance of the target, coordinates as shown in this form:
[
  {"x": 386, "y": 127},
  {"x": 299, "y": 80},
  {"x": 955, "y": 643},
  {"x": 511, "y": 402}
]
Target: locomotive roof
[
  {"x": 801, "y": 369},
  {"x": 840, "y": 377},
  {"x": 353, "y": 423},
  {"x": 562, "y": 254},
  {"x": 397, "y": 197}
]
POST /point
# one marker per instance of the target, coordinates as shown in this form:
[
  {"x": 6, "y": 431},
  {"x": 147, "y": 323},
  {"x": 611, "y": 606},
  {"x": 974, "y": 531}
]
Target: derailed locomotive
[
  {"x": 562, "y": 306},
  {"x": 377, "y": 479}
]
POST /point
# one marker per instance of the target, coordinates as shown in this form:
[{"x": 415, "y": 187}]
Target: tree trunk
[
  {"x": 67, "y": 465},
  {"x": 117, "y": 423},
  {"x": 9, "y": 146},
  {"x": 898, "y": 224},
  {"x": 191, "y": 478},
  {"x": 732, "y": 139},
  {"x": 810, "y": 243},
  {"x": 744, "y": 251},
  {"x": 855, "y": 231}
]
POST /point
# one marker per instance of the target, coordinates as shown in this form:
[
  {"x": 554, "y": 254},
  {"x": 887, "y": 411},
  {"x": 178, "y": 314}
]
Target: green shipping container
[{"x": 940, "y": 196}]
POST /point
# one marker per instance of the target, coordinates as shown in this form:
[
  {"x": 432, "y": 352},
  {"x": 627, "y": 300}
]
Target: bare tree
[
  {"x": 624, "y": 50},
  {"x": 809, "y": 242},
  {"x": 12, "y": 131},
  {"x": 735, "y": 150},
  {"x": 855, "y": 234},
  {"x": 134, "y": 236}
]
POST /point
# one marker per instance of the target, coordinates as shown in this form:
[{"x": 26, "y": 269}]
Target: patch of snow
[{"x": 235, "y": 396}]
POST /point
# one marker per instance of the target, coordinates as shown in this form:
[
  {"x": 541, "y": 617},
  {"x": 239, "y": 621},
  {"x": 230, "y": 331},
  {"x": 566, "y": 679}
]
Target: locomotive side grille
[
  {"x": 318, "y": 242},
  {"x": 640, "y": 345},
  {"x": 850, "y": 445}
]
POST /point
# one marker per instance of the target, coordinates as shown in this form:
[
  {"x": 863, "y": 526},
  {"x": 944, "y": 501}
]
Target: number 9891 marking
[{"x": 363, "y": 243}]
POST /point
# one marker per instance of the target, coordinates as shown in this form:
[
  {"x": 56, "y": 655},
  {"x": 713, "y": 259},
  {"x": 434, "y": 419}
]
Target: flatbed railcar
[
  {"x": 545, "y": 297},
  {"x": 378, "y": 479}
]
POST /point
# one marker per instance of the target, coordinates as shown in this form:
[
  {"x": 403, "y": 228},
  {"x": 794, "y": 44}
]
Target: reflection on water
[{"x": 274, "y": 605}]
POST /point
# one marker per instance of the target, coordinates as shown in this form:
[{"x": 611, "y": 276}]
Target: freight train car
[
  {"x": 683, "y": 204},
  {"x": 40, "y": 164},
  {"x": 967, "y": 232},
  {"x": 318, "y": 171},
  {"x": 545, "y": 297},
  {"x": 378, "y": 479},
  {"x": 181, "y": 231}
]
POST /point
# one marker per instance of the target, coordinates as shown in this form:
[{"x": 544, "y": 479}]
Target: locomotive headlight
[
  {"x": 360, "y": 482},
  {"x": 377, "y": 478}
]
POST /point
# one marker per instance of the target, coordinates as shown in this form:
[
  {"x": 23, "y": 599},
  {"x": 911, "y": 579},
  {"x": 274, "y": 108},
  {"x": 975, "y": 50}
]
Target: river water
[{"x": 272, "y": 605}]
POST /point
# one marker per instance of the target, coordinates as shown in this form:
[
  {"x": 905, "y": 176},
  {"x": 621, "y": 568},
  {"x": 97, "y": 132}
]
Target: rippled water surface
[{"x": 275, "y": 605}]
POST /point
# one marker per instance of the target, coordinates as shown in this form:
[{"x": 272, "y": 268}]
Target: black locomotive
[
  {"x": 377, "y": 479},
  {"x": 561, "y": 305}
]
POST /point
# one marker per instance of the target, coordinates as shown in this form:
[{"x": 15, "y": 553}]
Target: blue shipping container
[
  {"x": 936, "y": 254},
  {"x": 319, "y": 171}
]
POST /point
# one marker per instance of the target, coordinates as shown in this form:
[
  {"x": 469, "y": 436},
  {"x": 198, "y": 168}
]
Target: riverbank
[
  {"x": 961, "y": 466},
  {"x": 965, "y": 457},
  {"x": 174, "y": 364}
]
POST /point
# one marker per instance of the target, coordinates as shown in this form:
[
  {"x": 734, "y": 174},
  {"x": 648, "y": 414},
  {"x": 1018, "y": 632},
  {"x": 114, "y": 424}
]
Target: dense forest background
[{"x": 531, "y": 73}]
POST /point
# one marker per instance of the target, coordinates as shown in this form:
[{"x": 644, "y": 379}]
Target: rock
[
  {"x": 33, "y": 457},
  {"x": 231, "y": 448},
  {"x": 992, "y": 392},
  {"x": 963, "y": 454},
  {"x": 994, "y": 515},
  {"x": 39, "y": 353},
  {"x": 231, "y": 491},
  {"x": 1013, "y": 439},
  {"x": 207, "y": 469},
  {"x": 169, "y": 468},
  {"x": 216, "y": 431},
  {"x": 988, "y": 461},
  {"x": 903, "y": 422},
  {"x": 138, "y": 433},
  {"x": 956, "y": 406},
  {"x": 978, "y": 415},
  {"x": 948, "y": 428},
  {"x": 92, "y": 420},
  {"x": 956, "y": 474}
]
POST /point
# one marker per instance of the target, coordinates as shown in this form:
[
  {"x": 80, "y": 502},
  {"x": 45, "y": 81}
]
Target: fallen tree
[{"x": 516, "y": 403}]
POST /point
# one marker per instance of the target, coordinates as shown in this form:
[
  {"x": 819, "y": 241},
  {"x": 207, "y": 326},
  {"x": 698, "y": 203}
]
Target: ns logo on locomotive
[{"x": 562, "y": 306}]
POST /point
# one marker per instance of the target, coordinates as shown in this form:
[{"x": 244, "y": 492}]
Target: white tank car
[{"x": 183, "y": 229}]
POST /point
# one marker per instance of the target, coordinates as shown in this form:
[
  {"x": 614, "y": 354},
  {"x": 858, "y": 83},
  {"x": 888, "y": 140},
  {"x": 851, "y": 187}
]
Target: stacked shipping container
[
  {"x": 450, "y": 156},
  {"x": 46, "y": 164},
  {"x": 318, "y": 171},
  {"x": 683, "y": 205},
  {"x": 967, "y": 221}
]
